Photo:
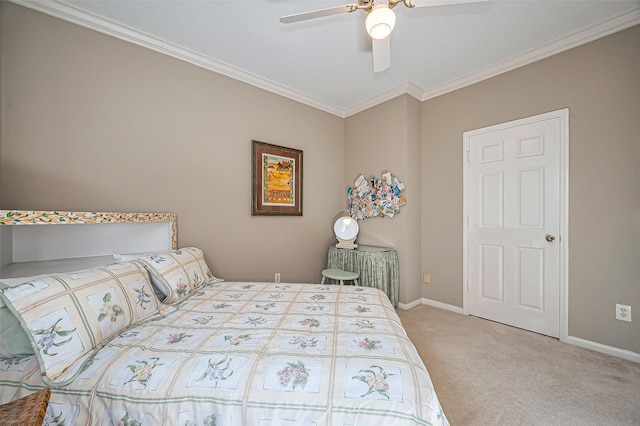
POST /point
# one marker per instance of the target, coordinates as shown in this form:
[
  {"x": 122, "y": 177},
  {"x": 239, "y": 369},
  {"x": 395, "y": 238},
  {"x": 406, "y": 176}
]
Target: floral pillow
[
  {"x": 158, "y": 289},
  {"x": 68, "y": 316},
  {"x": 178, "y": 273}
]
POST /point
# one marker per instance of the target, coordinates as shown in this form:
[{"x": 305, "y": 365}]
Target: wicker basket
[{"x": 27, "y": 411}]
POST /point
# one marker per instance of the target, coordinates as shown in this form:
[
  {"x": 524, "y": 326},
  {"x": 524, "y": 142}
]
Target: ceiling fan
[{"x": 379, "y": 22}]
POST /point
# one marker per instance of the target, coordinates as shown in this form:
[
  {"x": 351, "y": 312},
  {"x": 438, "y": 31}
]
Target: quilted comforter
[{"x": 246, "y": 353}]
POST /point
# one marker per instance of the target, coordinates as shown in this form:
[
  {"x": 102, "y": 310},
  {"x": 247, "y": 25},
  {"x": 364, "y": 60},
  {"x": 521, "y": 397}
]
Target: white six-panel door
[{"x": 513, "y": 192}]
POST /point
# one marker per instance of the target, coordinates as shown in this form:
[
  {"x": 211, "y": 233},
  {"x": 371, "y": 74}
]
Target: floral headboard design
[{"x": 29, "y": 217}]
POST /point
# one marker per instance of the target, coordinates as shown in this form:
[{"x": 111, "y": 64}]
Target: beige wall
[
  {"x": 599, "y": 82},
  {"x": 1, "y": 105},
  {"x": 94, "y": 123},
  {"x": 386, "y": 138}
]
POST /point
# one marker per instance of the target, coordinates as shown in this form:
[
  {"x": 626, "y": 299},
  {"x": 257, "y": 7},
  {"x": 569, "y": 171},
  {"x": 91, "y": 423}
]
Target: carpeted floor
[{"x": 486, "y": 373}]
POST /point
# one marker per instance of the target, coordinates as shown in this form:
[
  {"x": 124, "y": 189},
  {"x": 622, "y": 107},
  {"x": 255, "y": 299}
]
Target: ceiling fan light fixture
[{"x": 380, "y": 21}]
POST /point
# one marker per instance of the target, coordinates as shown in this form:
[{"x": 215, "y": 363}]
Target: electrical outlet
[
  {"x": 277, "y": 278},
  {"x": 425, "y": 278},
  {"x": 623, "y": 312}
]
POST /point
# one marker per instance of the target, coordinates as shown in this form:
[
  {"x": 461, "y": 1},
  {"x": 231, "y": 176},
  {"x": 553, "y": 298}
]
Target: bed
[{"x": 154, "y": 338}]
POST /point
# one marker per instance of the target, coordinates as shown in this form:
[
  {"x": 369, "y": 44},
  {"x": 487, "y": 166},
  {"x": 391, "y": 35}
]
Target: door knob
[{"x": 550, "y": 238}]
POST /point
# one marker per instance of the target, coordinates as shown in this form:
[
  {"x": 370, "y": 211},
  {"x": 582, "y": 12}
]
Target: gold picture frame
[{"x": 276, "y": 180}]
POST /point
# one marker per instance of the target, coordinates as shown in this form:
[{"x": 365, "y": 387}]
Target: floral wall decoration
[{"x": 375, "y": 197}]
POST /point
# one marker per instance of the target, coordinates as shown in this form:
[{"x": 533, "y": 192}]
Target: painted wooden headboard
[{"x": 25, "y": 238}]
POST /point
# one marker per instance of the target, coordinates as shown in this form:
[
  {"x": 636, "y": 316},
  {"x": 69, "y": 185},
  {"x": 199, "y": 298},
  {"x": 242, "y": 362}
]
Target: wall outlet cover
[{"x": 623, "y": 312}]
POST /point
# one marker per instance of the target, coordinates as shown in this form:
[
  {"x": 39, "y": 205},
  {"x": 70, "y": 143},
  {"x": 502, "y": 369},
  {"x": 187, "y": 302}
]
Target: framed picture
[{"x": 277, "y": 180}]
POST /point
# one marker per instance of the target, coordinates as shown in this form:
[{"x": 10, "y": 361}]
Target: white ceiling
[{"x": 327, "y": 62}]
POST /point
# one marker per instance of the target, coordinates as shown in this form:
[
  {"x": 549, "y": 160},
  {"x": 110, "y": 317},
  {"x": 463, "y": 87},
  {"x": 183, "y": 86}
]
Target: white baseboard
[
  {"x": 434, "y": 303},
  {"x": 576, "y": 341},
  {"x": 599, "y": 347},
  {"x": 406, "y": 306},
  {"x": 445, "y": 306}
]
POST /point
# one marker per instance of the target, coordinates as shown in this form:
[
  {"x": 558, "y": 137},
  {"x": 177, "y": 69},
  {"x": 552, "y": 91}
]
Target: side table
[{"x": 378, "y": 267}]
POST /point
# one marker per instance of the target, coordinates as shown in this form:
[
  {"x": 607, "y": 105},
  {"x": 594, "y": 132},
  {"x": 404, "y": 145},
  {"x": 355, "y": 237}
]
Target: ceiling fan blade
[
  {"x": 381, "y": 54},
  {"x": 318, "y": 13},
  {"x": 428, "y": 3}
]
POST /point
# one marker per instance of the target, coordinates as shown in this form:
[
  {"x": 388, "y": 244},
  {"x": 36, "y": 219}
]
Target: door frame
[{"x": 563, "y": 238}]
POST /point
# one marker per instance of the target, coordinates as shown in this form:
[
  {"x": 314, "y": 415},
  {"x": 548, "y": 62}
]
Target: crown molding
[
  {"x": 407, "y": 88},
  {"x": 92, "y": 21},
  {"x": 586, "y": 35},
  {"x": 103, "y": 25}
]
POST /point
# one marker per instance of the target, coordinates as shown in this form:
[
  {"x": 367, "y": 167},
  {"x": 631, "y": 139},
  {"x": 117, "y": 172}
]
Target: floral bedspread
[{"x": 241, "y": 353}]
